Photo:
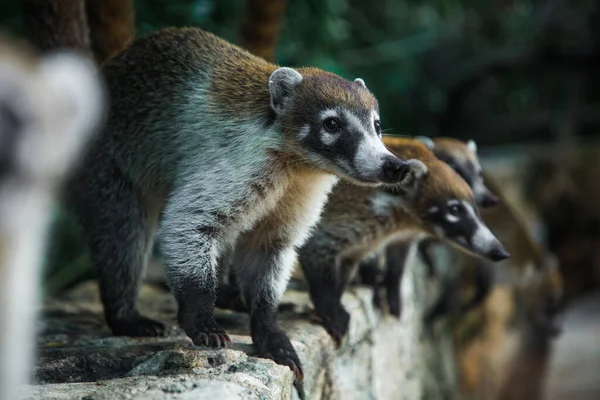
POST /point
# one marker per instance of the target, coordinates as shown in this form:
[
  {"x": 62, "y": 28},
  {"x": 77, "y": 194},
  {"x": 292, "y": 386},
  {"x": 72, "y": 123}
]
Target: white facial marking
[
  {"x": 328, "y": 138},
  {"x": 453, "y": 203},
  {"x": 433, "y": 209},
  {"x": 483, "y": 239},
  {"x": 451, "y": 218},
  {"x": 329, "y": 113},
  {"x": 303, "y": 132}
]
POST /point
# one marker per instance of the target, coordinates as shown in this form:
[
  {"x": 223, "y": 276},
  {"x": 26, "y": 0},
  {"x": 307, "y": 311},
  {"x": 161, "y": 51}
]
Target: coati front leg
[
  {"x": 264, "y": 271},
  {"x": 120, "y": 234},
  {"x": 189, "y": 242}
]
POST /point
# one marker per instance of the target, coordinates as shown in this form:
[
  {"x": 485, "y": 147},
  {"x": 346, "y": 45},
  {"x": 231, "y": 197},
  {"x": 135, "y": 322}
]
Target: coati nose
[
  {"x": 489, "y": 200},
  {"x": 394, "y": 170},
  {"x": 498, "y": 254}
]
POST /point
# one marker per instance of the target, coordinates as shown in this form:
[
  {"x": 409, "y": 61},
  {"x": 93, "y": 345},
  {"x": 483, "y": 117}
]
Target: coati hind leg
[
  {"x": 120, "y": 233},
  {"x": 327, "y": 280},
  {"x": 370, "y": 274},
  {"x": 397, "y": 255}
]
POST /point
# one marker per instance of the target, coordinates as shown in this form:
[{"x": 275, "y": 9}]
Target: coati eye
[
  {"x": 332, "y": 124},
  {"x": 454, "y": 210},
  {"x": 377, "y": 127}
]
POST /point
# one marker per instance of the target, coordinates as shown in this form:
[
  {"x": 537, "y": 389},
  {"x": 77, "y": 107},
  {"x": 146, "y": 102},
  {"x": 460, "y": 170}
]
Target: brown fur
[
  {"x": 98, "y": 28},
  {"x": 52, "y": 24},
  {"x": 445, "y": 182},
  {"x": 112, "y": 27},
  {"x": 347, "y": 205},
  {"x": 458, "y": 149},
  {"x": 260, "y": 27}
]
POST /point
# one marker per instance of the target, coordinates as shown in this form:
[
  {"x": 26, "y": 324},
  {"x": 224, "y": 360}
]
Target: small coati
[
  {"x": 460, "y": 156},
  {"x": 49, "y": 109},
  {"x": 537, "y": 274},
  {"x": 433, "y": 201},
  {"x": 221, "y": 153}
]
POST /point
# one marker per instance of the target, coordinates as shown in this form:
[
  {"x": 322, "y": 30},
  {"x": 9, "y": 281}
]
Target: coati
[
  {"x": 535, "y": 268},
  {"x": 222, "y": 153},
  {"x": 433, "y": 201},
  {"x": 49, "y": 108},
  {"x": 460, "y": 156}
]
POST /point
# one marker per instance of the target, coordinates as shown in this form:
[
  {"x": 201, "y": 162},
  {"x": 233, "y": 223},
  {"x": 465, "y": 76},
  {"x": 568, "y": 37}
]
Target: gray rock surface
[{"x": 381, "y": 358}]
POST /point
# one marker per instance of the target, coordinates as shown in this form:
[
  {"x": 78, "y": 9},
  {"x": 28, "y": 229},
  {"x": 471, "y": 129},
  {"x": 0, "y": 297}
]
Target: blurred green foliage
[{"x": 499, "y": 71}]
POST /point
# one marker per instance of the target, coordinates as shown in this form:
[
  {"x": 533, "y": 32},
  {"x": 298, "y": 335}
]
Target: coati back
[
  {"x": 48, "y": 108},
  {"x": 356, "y": 221},
  {"x": 224, "y": 154}
]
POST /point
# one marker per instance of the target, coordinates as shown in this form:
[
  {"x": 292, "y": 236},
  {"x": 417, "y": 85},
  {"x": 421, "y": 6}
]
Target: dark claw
[
  {"x": 215, "y": 340},
  {"x": 204, "y": 331},
  {"x": 201, "y": 340}
]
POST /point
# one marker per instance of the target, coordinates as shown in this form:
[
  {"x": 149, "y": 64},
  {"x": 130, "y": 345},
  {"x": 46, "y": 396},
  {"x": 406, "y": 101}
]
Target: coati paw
[
  {"x": 279, "y": 348},
  {"x": 137, "y": 326},
  {"x": 206, "y": 332},
  {"x": 336, "y": 321}
]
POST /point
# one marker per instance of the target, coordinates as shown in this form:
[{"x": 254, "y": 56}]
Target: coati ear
[
  {"x": 427, "y": 141},
  {"x": 78, "y": 103},
  {"x": 282, "y": 85},
  {"x": 471, "y": 145},
  {"x": 412, "y": 183},
  {"x": 360, "y": 82}
]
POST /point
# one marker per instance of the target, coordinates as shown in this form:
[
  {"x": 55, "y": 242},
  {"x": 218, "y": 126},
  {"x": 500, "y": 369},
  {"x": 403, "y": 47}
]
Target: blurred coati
[
  {"x": 434, "y": 201},
  {"x": 535, "y": 268},
  {"x": 460, "y": 156},
  {"x": 260, "y": 27},
  {"x": 49, "y": 108},
  {"x": 565, "y": 194},
  {"x": 99, "y": 28}
]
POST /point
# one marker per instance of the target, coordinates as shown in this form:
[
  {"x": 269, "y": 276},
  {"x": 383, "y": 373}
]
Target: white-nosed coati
[
  {"x": 49, "y": 107},
  {"x": 537, "y": 271},
  {"x": 460, "y": 156},
  {"x": 223, "y": 153},
  {"x": 357, "y": 221}
]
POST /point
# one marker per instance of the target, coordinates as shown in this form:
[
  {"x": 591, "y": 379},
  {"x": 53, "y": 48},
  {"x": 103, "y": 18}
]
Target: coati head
[
  {"x": 443, "y": 201},
  {"x": 336, "y": 125},
  {"x": 45, "y": 103},
  {"x": 462, "y": 157}
]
